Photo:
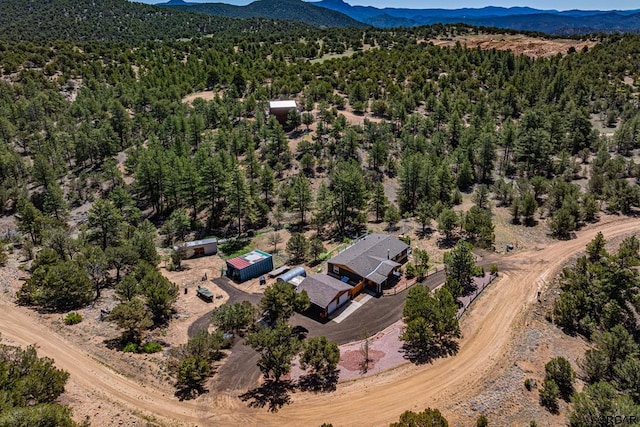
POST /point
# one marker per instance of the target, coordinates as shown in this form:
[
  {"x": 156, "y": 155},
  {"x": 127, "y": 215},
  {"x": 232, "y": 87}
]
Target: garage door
[
  {"x": 332, "y": 307},
  {"x": 343, "y": 299}
]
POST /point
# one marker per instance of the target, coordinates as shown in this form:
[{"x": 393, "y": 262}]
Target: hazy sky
[
  {"x": 538, "y": 4},
  {"x": 455, "y": 4}
]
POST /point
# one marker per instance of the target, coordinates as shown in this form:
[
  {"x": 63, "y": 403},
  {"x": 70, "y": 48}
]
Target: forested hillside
[
  {"x": 113, "y": 20},
  {"x": 452, "y": 118},
  {"x": 102, "y": 160},
  {"x": 598, "y": 299},
  {"x": 294, "y": 10}
]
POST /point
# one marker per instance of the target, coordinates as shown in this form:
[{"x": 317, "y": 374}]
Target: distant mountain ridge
[
  {"x": 516, "y": 18},
  {"x": 294, "y": 10}
]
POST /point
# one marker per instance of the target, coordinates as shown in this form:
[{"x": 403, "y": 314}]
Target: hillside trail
[{"x": 487, "y": 335}]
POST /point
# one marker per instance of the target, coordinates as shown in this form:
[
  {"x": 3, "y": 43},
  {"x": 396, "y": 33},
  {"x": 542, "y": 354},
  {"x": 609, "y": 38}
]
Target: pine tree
[
  {"x": 379, "y": 201},
  {"x": 237, "y": 196},
  {"x": 301, "y": 196},
  {"x": 105, "y": 222},
  {"x": 460, "y": 266}
]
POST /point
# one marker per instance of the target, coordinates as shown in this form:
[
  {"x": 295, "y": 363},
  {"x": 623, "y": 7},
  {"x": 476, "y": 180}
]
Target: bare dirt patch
[
  {"x": 206, "y": 95},
  {"x": 518, "y": 44},
  {"x": 358, "y": 119},
  {"x": 189, "y": 306}
]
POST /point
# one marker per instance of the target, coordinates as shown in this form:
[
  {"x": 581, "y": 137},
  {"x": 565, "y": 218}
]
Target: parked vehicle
[{"x": 205, "y": 293}]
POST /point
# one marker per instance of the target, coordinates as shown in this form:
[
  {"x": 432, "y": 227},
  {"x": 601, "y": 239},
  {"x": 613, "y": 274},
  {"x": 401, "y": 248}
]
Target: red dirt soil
[{"x": 518, "y": 44}]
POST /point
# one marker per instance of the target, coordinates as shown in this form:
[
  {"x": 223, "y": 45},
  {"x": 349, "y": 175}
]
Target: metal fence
[{"x": 481, "y": 284}]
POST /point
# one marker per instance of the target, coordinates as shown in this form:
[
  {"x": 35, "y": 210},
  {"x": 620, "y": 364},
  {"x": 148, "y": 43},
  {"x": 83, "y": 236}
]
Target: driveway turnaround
[{"x": 358, "y": 320}]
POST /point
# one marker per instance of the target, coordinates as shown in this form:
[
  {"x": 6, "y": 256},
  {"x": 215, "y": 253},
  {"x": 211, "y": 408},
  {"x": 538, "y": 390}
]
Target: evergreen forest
[{"x": 106, "y": 154}]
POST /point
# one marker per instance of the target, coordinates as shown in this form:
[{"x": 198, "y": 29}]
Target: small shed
[
  {"x": 200, "y": 247},
  {"x": 294, "y": 272},
  {"x": 249, "y": 265},
  {"x": 325, "y": 292},
  {"x": 280, "y": 109},
  {"x": 296, "y": 281}
]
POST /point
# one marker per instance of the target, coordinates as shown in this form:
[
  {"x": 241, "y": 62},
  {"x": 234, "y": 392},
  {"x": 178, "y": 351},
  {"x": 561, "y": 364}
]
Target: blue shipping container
[{"x": 249, "y": 265}]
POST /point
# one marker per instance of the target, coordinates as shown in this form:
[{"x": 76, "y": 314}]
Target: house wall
[
  {"x": 208, "y": 249},
  {"x": 338, "y": 302},
  {"x": 376, "y": 287},
  {"x": 281, "y": 114},
  {"x": 343, "y": 298},
  {"x": 357, "y": 289},
  {"x": 339, "y": 270},
  {"x": 402, "y": 257}
]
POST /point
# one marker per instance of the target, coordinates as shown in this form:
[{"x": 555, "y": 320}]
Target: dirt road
[{"x": 487, "y": 334}]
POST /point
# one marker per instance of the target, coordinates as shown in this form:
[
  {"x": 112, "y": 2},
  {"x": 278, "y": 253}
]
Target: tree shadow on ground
[
  {"x": 316, "y": 384},
  {"x": 564, "y": 237},
  {"x": 117, "y": 343},
  {"x": 446, "y": 242},
  {"x": 426, "y": 233},
  {"x": 420, "y": 355},
  {"x": 297, "y": 133},
  {"x": 274, "y": 394},
  {"x": 188, "y": 393},
  {"x": 469, "y": 290}
]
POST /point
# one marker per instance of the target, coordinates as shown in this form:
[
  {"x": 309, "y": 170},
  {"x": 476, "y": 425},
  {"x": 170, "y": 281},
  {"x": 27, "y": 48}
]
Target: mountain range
[
  {"x": 344, "y": 15},
  {"x": 122, "y": 20},
  {"x": 517, "y": 18}
]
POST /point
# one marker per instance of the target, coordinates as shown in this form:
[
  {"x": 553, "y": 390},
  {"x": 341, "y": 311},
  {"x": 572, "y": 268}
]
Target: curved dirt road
[{"x": 487, "y": 333}]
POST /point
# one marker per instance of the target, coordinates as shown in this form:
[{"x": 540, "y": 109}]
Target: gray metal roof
[
  {"x": 372, "y": 256},
  {"x": 289, "y": 103},
  {"x": 201, "y": 242},
  {"x": 322, "y": 289}
]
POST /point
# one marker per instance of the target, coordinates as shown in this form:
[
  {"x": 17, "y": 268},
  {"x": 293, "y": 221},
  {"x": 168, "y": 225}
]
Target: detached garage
[
  {"x": 249, "y": 266},
  {"x": 325, "y": 292}
]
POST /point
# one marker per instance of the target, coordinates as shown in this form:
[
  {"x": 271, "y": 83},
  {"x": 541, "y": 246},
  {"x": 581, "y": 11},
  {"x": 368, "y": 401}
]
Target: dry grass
[{"x": 518, "y": 44}]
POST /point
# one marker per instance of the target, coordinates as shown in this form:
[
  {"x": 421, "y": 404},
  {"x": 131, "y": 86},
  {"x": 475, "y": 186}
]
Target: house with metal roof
[
  {"x": 249, "y": 265},
  {"x": 200, "y": 247},
  {"x": 371, "y": 261},
  {"x": 280, "y": 109},
  {"x": 325, "y": 292}
]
